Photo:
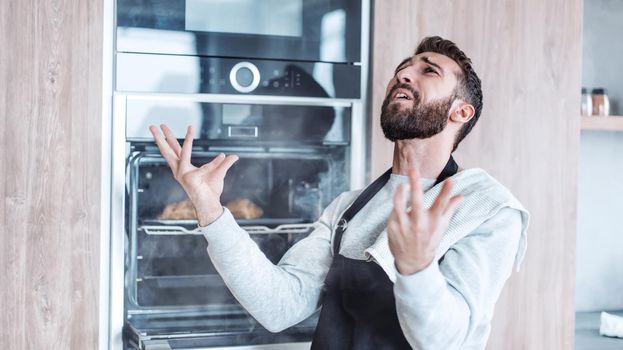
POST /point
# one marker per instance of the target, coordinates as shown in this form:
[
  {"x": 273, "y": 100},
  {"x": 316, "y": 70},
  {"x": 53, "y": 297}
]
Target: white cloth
[
  {"x": 448, "y": 305},
  {"x": 484, "y": 198},
  {"x": 611, "y": 325}
]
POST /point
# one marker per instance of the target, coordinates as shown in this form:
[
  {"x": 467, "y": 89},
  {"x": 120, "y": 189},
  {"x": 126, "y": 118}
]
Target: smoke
[{"x": 175, "y": 270}]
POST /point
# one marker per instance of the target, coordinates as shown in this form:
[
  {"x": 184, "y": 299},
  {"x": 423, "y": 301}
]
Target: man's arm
[
  {"x": 277, "y": 296},
  {"x": 449, "y": 305}
]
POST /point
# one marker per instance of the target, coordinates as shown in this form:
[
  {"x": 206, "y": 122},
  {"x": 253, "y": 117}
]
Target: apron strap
[{"x": 450, "y": 169}]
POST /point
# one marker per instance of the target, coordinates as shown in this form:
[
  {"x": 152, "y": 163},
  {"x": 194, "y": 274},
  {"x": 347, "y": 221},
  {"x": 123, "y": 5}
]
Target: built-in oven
[
  {"x": 296, "y": 156},
  {"x": 281, "y": 84}
]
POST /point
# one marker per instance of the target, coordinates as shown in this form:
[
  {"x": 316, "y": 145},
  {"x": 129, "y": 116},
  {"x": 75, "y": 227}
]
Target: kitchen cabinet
[
  {"x": 527, "y": 54},
  {"x": 51, "y": 155}
]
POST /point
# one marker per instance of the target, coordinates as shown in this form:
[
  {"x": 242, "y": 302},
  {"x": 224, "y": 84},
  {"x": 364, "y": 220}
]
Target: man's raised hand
[
  {"x": 204, "y": 184},
  {"x": 414, "y": 235}
]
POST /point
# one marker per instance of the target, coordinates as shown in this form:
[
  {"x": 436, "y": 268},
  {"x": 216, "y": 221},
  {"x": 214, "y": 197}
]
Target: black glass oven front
[{"x": 296, "y": 30}]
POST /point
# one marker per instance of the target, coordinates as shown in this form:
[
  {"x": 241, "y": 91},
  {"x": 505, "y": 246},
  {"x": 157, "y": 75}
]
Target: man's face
[{"x": 419, "y": 97}]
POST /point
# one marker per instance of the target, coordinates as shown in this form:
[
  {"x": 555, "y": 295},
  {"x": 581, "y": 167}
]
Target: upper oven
[{"x": 294, "y": 30}]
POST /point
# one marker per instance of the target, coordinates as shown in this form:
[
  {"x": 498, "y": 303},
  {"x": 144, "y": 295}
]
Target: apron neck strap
[{"x": 450, "y": 169}]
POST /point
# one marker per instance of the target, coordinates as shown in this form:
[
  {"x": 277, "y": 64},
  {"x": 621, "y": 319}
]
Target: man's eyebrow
[
  {"x": 428, "y": 61},
  {"x": 400, "y": 66}
]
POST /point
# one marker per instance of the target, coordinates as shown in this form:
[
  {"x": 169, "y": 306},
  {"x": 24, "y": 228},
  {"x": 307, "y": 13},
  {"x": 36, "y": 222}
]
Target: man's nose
[{"x": 404, "y": 77}]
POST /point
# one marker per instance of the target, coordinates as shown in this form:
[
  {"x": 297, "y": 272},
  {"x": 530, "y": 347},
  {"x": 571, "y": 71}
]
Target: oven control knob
[{"x": 244, "y": 77}]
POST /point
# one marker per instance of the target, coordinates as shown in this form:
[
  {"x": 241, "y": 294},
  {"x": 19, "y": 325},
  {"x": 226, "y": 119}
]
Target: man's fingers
[
  {"x": 399, "y": 208},
  {"x": 393, "y": 228},
  {"x": 187, "y": 147},
  {"x": 222, "y": 168},
  {"x": 392, "y": 223},
  {"x": 166, "y": 151},
  {"x": 213, "y": 164},
  {"x": 171, "y": 140},
  {"x": 417, "y": 195},
  {"x": 441, "y": 202},
  {"x": 452, "y": 205},
  {"x": 399, "y": 201}
]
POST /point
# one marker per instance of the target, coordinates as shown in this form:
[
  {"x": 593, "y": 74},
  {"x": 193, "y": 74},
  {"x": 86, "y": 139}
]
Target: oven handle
[{"x": 243, "y": 99}]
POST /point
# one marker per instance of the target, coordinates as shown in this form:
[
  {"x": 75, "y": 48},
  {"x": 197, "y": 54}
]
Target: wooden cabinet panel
[
  {"x": 528, "y": 55},
  {"x": 50, "y": 110}
]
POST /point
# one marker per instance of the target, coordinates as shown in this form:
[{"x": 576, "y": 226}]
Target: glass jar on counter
[
  {"x": 587, "y": 103},
  {"x": 601, "y": 103}
]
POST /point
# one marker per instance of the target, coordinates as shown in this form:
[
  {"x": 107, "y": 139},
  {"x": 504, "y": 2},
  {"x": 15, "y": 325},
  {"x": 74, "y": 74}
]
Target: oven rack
[{"x": 173, "y": 230}]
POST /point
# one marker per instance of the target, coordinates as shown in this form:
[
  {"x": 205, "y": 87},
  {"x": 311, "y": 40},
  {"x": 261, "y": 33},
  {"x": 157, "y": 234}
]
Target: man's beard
[{"x": 420, "y": 121}]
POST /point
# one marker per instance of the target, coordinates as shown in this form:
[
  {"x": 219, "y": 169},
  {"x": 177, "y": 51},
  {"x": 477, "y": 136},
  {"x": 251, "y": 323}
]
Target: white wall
[
  {"x": 602, "y": 52},
  {"x": 599, "y": 264}
]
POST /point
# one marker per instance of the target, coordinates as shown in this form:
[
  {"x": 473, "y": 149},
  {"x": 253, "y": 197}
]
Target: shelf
[
  {"x": 169, "y": 230},
  {"x": 609, "y": 123}
]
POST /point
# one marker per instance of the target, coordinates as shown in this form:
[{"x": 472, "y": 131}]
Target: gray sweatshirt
[{"x": 448, "y": 305}]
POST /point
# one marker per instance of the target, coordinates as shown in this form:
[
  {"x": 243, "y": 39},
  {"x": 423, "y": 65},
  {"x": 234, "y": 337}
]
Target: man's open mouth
[{"x": 402, "y": 94}]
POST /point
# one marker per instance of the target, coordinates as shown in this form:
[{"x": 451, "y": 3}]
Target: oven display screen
[
  {"x": 235, "y": 114},
  {"x": 265, "y": 17}
]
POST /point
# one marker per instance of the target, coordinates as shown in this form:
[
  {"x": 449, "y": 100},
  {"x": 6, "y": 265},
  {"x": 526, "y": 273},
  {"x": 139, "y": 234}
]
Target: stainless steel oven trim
[
  {"x": 358, "y": 147},
  {"x": 187, "y": 310},
  {"x": 248, "y": 99},
  {"x": 106, "y": 202},
  {"x": 251, "y": 152},
  {"x": 195, "y": 311},
  {"x": 363, "y": 146},
  {"x": 132, "y": 167},
  {"x": 117, "y": 229},
  {"x": 158, "y": 343},
  {"x": 161, "y": 344},
  {"x": 284, "y": 346}
]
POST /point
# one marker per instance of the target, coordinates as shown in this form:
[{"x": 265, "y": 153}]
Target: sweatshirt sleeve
[
  {"x": 277, "y": 296},
  {"x": 449, "y": 305}
]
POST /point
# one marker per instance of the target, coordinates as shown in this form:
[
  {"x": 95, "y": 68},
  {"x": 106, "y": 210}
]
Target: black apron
[{"x": 358, "y": 305}]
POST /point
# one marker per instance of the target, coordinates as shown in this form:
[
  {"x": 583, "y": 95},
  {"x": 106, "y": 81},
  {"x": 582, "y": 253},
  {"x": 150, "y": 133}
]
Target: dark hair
[{"x": 468, "y": 85}]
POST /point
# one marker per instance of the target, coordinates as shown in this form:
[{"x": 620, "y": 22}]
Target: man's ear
[{"x": 463, "y": 113}]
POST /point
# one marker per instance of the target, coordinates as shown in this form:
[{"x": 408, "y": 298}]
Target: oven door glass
[
  {"x": 173, "y": 292},
  {"x": 306, "y": 30}
]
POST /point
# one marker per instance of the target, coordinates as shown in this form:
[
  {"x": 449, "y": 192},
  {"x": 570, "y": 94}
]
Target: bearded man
[{"x": 415, "y": 260}]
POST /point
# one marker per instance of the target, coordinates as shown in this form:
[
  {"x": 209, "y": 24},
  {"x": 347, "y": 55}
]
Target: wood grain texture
[
  {"x": 527, "y": 54},
  {"x": 50, "y": 94}
]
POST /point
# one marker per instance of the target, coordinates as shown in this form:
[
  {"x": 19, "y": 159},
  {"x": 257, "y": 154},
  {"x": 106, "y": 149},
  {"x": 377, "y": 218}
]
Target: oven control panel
[{"x": 216, "y": 75}]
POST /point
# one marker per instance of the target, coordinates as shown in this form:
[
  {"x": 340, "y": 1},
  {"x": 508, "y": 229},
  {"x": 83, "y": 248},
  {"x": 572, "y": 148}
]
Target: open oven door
[{"x": 175, "y": 299}]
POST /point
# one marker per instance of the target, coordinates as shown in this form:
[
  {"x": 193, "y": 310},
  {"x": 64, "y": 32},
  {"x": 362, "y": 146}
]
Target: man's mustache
[{"x": 416, "y": 95}]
